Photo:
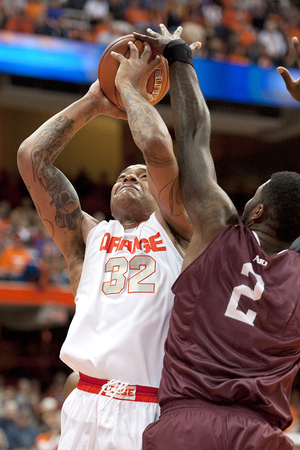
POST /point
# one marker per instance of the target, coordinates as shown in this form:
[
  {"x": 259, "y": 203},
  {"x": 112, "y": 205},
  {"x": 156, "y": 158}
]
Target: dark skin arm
[
  {"x": 293, "y": 86},
  {"x": 208, "y": 206}
]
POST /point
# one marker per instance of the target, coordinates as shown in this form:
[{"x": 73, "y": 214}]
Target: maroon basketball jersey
[{"x": 235, "y": 327}]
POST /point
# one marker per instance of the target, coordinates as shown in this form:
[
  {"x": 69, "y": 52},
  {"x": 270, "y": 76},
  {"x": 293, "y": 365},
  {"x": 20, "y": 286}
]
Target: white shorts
[{"x": 91, "y": 421}]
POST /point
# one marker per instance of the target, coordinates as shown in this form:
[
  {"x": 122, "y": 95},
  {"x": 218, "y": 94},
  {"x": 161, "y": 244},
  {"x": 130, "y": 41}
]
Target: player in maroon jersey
[{"x": 233, "y": 347}]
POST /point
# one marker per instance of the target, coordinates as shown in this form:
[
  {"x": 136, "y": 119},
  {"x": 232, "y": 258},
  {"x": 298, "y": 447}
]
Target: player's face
[{"x": 131, "y": 188}]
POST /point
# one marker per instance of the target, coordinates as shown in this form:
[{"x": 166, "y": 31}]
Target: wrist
[
  {"x": 178, "y": 50},
  {"x": 93, "y": 105},
  {"x": 124, "y": 85}
]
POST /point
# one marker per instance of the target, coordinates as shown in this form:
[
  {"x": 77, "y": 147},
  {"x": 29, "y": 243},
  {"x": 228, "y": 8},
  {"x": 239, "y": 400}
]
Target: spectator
[
  {"x": 234, "y": 18},
  {"x": 116, "y": 9},
  {"x": 259, "y": 14},
  {"x": 193, "y": 32},
  {"x": 8, "y": 423},
  {"x": 273, "y": 41},
  {"x": 56, "y": 388},
  {"x": 19, "y": 23},
  {"x": 54, "y": 261},
  {"x": 26, "y": 430},
  {"x": 75, "y": 4},
  {"x": 106, "y": 33},
  {"x": 175, "y": 14},
  {"x": 217, "y": 49},
  {"x": 247, "y": 36},
  {"x": 194, "y": 12},
  {"x": 238, "y": 54},
  {"x": 62, "y": 28},
  {"x": 49, "y": 439},
  {"x": 156, "y": 16},
  {"x": 7, "y": 393},
  {"x": 136, "y": 15},
  {"x": 23, "y": 392},
  {"x": 49, "y": 434},
  {"x": 14, "y": 260},
  {"x": 96, "y": 10},
  {"x": 34, "y": 8},
  {"x": 212, "y": 14},
  {"x": 54, "y": 9},
  {"x": 13, "y": 6},
  {"x": 42, "y": 26},
  {"x": 19, "y": 263}
]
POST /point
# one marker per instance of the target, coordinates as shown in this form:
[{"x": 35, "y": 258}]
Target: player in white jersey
[
  {"x": 123, "y": 297},
  {"x": 126, "y": 274}
]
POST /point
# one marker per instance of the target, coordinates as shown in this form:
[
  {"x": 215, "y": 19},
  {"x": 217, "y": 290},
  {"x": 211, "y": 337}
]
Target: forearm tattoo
[
  {"x": 141, "y": 117},
  {"x": 48, "y": 145},
  {"x": 92, "y": 111}
]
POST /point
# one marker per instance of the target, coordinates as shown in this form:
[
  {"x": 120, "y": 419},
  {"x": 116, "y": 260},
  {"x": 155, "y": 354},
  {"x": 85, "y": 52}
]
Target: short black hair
[{"x": 281, "y": 198}]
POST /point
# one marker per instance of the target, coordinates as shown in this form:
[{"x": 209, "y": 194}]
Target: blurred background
[{"x": 49, "y": 54}]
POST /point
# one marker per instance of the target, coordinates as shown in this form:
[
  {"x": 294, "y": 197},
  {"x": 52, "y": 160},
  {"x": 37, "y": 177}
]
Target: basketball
[{"x": 158, "y": 81}]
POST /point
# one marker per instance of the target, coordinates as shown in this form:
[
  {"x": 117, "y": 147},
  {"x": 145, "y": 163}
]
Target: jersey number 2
[{"x": 255, "y": 294}]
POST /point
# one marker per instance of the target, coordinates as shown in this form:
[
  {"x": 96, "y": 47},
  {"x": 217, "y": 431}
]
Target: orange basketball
[{"x": 158, "y": 81}]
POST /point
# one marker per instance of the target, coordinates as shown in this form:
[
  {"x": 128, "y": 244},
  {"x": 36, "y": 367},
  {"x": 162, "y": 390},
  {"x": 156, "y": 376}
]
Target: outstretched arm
[
  {"x": 152, "y": 137},
  {"x": 208, "y": 206},
  {"x": 293, "y": 86},
  {"x": 52, "y": 193}
]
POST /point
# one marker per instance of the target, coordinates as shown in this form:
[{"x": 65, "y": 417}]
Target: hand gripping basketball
[{"x": 157, "y": 83}]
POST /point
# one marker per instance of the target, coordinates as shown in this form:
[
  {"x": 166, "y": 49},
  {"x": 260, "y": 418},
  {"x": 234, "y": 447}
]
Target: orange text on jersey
[{"x": 112, "y": 244}]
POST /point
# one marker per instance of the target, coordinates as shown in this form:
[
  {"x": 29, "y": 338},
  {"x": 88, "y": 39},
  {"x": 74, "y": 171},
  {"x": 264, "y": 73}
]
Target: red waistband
[{"x": 132, "y": 392}]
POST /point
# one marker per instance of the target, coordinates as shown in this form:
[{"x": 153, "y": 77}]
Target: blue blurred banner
[
  {"x": 48, "y": 58},
  {"x": 77, "y": 62},
  {"x": 248, "y": 84}
]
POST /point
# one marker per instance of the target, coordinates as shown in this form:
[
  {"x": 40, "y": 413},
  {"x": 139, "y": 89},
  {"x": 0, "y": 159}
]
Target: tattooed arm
[
  {"x": 152, "y": 137},
  {"x": 54, "y": 196}
]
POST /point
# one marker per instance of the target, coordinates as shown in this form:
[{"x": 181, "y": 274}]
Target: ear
[{"x": 257, "y": 213}]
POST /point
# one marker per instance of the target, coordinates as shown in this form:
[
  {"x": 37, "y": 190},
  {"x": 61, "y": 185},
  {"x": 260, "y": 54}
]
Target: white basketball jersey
[{"x": 123, "y": 303}]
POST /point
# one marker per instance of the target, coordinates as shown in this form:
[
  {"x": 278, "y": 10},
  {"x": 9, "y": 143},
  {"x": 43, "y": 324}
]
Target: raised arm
[
  {"x": 293, "y": 86},
  {"x": 152, "y": 137},
  {"x": 55, "y": 198},
  {"x": 207, "y": 205}
]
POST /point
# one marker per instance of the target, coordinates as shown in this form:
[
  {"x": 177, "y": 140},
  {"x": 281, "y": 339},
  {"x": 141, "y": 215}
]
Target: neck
[
  {"x": 269, "y": 243},
  {"x": 127, "y": 224},
  {"x": 133, "y": 219}
]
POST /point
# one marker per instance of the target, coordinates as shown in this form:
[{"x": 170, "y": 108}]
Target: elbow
[
  {"x": 158, "y": 144},
  {"x": 24, "y": 157}
]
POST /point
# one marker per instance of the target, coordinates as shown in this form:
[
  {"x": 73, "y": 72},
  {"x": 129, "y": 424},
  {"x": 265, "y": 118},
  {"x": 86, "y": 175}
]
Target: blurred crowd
[
  {"x": 30, "y": 417},
  {"x": 240, "y": 31},
  {"x": 27, "y": 251}
]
